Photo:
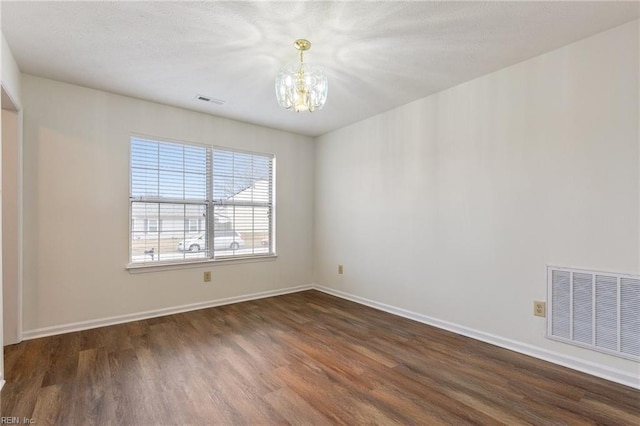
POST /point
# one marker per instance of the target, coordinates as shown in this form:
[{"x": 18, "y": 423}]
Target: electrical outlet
[
  {"x": 207, "y": 276},
  {"x": 340, "y": 269},
  {"x": 539, "y": 308}
]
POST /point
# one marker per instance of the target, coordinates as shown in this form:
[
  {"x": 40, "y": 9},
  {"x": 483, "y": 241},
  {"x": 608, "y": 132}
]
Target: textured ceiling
[{"x": 377, "y": 55}]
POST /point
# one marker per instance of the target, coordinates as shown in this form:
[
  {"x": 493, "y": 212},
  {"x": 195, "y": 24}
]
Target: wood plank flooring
[{"x": 302, "y": 359}]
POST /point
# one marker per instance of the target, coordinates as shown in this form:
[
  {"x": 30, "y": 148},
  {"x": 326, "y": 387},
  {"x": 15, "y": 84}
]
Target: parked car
[{"x": 223, "y": 240}]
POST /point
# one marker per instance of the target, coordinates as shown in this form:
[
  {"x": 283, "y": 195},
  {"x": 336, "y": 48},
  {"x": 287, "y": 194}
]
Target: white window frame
[{"x": 210, "y": 205}]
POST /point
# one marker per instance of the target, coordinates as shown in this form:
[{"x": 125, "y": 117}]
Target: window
[
  {"x": 152, "y": 225},
  {"x": 193, "y": 225},
  {"x": 190, "y": 202}
]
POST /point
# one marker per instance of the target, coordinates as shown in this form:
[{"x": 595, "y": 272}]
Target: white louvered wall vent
[{"x": 595, "y": 310}]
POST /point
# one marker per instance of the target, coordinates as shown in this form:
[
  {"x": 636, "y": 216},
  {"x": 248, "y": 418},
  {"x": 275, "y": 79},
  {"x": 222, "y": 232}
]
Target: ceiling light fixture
[{"x": 301, "y": 87}]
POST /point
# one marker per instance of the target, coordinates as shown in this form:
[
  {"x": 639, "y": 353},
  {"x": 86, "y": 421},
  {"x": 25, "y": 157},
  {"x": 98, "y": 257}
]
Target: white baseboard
[
  {"x": 588, "y": 367},
  {"x": 103, "y": 322},
  {"x": 1, "y": 383}
]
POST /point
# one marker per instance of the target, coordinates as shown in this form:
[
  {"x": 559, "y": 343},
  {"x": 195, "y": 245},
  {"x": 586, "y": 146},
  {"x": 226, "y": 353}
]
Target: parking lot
[{"x": 165, "y": 249}]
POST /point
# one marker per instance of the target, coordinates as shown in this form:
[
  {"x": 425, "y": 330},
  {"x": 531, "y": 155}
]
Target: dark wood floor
[{"x": 302, "y": 359}]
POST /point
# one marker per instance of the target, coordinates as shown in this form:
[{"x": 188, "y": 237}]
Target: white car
[{"x": 223, "y": 240}]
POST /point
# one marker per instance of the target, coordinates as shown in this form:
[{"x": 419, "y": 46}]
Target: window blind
[{"x": 195, "y": 202}]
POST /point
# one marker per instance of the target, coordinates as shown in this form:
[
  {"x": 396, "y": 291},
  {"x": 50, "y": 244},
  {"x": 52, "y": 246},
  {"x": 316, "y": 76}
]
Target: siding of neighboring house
[
  {"x": 249, "y": 219},
  {"x": 180, "y": 221},
  {"x": 170, "y": 220}
]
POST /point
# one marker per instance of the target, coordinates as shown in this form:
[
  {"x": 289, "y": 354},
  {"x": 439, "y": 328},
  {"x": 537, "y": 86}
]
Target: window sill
[{"x": 140, "y": 268}]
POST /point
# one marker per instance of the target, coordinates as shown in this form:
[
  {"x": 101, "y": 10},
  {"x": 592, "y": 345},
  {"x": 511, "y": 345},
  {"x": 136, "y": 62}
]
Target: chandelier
[{"x": 301, "y": 87}]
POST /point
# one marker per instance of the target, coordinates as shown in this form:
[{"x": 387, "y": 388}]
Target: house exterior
[{"x": 179, "y": 221}]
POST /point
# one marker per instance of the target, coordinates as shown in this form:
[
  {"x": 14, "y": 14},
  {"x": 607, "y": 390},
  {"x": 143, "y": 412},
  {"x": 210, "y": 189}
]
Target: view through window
[{"x": 190, "y": 202}]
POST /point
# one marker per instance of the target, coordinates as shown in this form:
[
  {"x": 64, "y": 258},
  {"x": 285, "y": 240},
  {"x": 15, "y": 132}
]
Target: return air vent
[{"x": 595, "y": 310}]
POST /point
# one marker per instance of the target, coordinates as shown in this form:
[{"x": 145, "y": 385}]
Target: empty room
[{"x": 320, "y": 212}]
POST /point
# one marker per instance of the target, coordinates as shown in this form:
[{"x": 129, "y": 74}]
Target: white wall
[
  {"x": 11, "y": 77},
  {"x": 10, "y": 226},
  {"x": 76, "y": 188},
  {"x": 10, "y": 82},
  {"x": 452, "y": 206}
]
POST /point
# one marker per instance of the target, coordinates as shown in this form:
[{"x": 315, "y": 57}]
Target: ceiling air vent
[
  {"x": 595, "y": 310},
  {"x": 210, "y": 99}
]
